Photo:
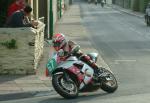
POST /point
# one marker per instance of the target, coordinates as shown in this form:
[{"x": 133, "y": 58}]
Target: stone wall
[{"x": 23, "y": 58}]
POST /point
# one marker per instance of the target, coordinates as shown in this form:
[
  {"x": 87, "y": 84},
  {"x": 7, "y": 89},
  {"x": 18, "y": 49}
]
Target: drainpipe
[
  {"x": 60, "y": 8},
  {"x": 37, "y": 9},
  {"x": 51, "y": 19}
]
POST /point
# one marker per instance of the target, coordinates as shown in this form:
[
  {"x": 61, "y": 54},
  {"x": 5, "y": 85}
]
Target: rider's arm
[{"x": 75, "y": 47}]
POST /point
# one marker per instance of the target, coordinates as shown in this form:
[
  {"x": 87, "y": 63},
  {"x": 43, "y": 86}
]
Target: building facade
[
  {"x": 135, "y": 5},
  {"x": 22, "y": 48},
  {"x": 50, "y": 11}
]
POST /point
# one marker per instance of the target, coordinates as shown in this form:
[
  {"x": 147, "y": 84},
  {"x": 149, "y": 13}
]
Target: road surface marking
[{"x": 125, "y": 60}]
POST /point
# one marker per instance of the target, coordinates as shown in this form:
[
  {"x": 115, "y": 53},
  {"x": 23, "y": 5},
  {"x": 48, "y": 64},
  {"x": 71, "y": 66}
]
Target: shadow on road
[
  {"x": 7, "y": 78},
  {"x": 82, "y": 97}
]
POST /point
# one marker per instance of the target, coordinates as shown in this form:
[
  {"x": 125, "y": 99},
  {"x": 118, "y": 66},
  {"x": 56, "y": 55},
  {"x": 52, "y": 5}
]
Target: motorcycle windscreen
[{"x": 51, "y": 65}]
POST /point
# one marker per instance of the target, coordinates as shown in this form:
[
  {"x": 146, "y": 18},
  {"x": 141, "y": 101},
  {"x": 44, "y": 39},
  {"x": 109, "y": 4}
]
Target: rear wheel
[
  {"x": 108, "y": 81},
  {"x": 66, "y": 88}
]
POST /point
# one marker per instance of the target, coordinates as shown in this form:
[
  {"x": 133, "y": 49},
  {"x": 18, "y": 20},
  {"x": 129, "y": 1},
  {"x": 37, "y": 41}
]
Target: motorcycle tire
[
  {"x": 60, "y": 88},
  {"x": 104, "y": 86}
]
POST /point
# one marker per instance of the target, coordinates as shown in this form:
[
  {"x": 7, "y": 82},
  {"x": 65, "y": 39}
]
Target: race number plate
[{"x": 51, "y": 65}]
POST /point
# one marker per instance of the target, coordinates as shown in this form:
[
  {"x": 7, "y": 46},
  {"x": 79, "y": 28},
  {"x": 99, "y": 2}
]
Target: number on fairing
[{"x": 51, "y": 65}]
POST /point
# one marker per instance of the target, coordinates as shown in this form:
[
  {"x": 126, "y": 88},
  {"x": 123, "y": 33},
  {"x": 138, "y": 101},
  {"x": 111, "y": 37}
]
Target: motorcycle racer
[
  {"x": 72, "y": 71},
  {"x": 66, "y": 47}
]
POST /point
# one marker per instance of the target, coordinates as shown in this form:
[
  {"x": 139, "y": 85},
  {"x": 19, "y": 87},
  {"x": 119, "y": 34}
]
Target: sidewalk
[
  {"x": 71, "y": 26},
  {"x": 128, "y": 11}
]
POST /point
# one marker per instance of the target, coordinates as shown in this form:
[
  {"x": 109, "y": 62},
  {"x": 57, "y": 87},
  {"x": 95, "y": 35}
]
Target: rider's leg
[{"x": 89, "y": 61}]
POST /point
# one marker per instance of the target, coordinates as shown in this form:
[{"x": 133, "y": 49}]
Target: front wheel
[
  {"x": 66, "y": 88},
  {"x": 109, "y": 82}
]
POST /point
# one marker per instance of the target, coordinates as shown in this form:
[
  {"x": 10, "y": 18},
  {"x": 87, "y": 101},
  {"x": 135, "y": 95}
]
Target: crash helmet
[{"x": 59, "y": 41}]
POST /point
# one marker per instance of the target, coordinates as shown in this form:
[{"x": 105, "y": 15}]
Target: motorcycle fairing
[{"x": 86, "y": 70}]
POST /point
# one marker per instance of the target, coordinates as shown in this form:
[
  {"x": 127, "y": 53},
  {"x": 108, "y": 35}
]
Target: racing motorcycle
[{"x": 73, "y": 76}]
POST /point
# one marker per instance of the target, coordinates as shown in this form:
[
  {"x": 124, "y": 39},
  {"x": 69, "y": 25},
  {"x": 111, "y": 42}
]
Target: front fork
[{"x": 66, "y": 76}]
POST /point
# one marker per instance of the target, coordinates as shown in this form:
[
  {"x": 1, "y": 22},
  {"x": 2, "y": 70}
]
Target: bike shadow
[{"x": 82, "y": 97}]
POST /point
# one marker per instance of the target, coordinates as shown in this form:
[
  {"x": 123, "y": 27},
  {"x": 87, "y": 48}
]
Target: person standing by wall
[
  {"x": 18, "y": 18},
  {"x": 147, "y": 14},
  {"x": 16, "y": 5}
]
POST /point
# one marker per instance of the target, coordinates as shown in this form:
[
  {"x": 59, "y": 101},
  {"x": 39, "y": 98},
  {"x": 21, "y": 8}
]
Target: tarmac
[{"x": 18, "y": 86}]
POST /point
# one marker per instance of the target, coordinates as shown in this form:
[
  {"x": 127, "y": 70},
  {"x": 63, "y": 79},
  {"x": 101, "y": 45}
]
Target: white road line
[
  {"x": 101, "y": 12},
  {"x": 125, "y": 60}
]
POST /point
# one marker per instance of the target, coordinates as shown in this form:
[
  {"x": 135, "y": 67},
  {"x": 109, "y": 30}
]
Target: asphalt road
[{"x": 124, "y": 43}]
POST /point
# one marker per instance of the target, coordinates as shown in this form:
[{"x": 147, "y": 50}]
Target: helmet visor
[{"x": 56, "y": 44}]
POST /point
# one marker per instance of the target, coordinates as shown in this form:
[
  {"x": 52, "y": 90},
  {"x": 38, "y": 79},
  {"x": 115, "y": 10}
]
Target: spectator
[
  {"x": 17, "y": 5},
  {"x": 19, "y": 18},
  {"x": 147, "y": 14}
]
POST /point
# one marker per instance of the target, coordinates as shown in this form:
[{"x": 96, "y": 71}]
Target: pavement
[{"x": 14, "y": 87}]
